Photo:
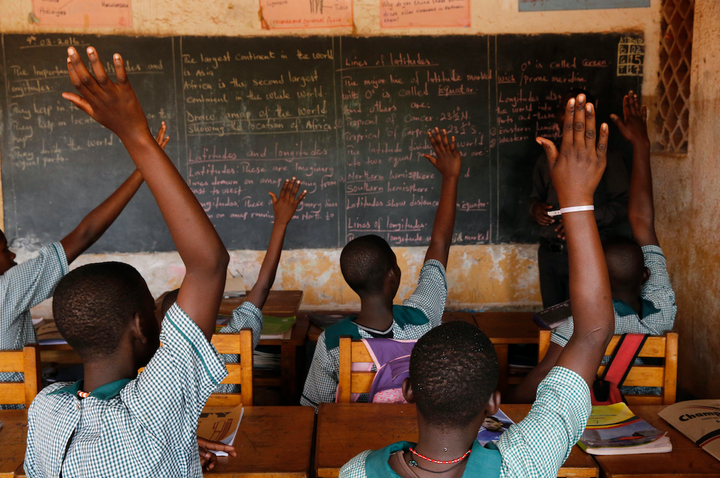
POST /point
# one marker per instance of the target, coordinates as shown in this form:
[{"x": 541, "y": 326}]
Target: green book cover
[{"x": 277, "y": 325}]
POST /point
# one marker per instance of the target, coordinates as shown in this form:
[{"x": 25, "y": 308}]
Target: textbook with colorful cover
[
  {"x": 699, "y": 420},
  {"x": 493, "y": 428},
  {"x": 273, "y": 327},
  {"x": 220, "y": 424},
  {"x": 615, "y": 430}
]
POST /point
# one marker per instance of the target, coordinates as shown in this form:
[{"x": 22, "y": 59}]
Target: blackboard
[{"x": 347, "y": 115}]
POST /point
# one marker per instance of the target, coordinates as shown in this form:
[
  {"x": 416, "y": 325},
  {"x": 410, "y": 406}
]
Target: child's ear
[
  {"x": 646, "y": 275},
  {"x": 137, "y": 329},
  {"x": 493, "y": 404},
  {"x": 407, "y": 391}
]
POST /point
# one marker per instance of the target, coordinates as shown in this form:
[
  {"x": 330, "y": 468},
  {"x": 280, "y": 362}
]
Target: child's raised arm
[
  {"x": 94, "y": 225},
  {"x": 447, "y": 161},
  {"x": 284, "y": 207},
  {"x": 576, "y": 172},
  {"x": 641, "y": 210},
  {"x": 116, "y": 107}
]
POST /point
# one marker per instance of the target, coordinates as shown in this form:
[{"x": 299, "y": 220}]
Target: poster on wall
[
  {"x": 279, "y": 14},
  {"x": 424, "y": 13},
  {"x": 546, "y": 5},
  {"x": 83, "y": 13}
]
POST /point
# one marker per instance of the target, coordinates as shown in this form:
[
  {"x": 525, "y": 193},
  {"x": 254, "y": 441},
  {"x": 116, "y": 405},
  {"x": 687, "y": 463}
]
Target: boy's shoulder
[
  {"x": 52, "y": 394},
  {"x": 346, "y": 327}
]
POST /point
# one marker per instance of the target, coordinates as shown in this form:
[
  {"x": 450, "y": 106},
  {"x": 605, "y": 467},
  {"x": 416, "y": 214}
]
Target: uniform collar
[
  {"x": 104, "y": 392},
  {"x": 623, "y": 309}
]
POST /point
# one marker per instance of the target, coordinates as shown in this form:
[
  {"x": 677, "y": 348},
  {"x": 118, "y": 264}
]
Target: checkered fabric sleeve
[
  {"x": 657, "y": 290},
  {"x": 170, "y": 393},
  {"x": 322, "y": 379},
  {"x": 246, "y": 316},
  {"x": 431, "y": 292},
  {"x": 25, "y": 286},
  {"x": 540, "y": 444},
  {"x": 355, "y": 468}
]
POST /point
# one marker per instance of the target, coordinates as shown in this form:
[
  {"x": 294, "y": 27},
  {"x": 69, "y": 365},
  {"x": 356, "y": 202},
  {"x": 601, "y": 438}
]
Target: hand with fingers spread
[
  {"x": 114, "y": 106},
  {"x": 286, "y": 204},
  {"x": 447, "y": 158},
  {"x": 577, "y": 169},
  {"x": 634, "y": 126},
  {"x": 161, "y": 139}
]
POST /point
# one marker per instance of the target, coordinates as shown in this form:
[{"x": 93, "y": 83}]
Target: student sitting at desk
[
  {"x": 370, "y": 268},
  {"x": 454, "y": 368},
  {"x": 23, "y": 286},
  {"x": 249, "y": 314},
  {"x": 643, "y": 298},
  {"x": 117, "y": 422}
]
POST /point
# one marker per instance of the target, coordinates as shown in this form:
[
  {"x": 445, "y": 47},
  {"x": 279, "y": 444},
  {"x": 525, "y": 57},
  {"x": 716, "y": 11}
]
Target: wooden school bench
[
  {"x": 13, "y": 437},
  {"x": 346, "y": 429}
]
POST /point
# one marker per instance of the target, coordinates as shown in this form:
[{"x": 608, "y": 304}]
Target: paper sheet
[
  {"x": 83, "y": 13},
  {"x": 220, "y": 425},
  {"x": 301, "y": 14},
  {"x": 424, "y": 13}
]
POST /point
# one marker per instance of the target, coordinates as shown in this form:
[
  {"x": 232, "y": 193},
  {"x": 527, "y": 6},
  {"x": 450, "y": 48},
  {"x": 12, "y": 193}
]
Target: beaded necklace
[{"x": 439, "y": 462}]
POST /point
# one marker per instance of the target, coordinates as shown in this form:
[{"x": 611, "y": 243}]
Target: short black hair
[
  {"x": 168, "y": 301},
  {"x": 625, "y": 263},
  {"x": 573, "y": 93},
  {"x": 453, "y": 372},
  {"x": 365, "y": 261},
  {"x": 93, "y": 304}
]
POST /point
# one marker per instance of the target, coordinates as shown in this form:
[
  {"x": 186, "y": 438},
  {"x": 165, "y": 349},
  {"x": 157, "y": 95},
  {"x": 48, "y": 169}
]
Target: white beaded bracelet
[{"x": 571, "y": 209}]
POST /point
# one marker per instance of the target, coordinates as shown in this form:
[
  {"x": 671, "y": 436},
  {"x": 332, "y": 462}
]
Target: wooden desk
[
  {"x": 346, "y": 429},
  {"x": 280, "y": 303},
  {"x": 687, "y": 460},
  {"x": 13, "y": 437},
  {"x": 272, "y": 441},
  {"x": 504, "y": 329}
]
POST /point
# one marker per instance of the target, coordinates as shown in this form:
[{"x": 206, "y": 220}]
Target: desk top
[
  {"x": 280, "y": 303},
  {"x": 686, "y": 460},
  {"x": 346, "y": 429},
  {"x": 13, "y": 437},
  {"x": 276, "y": 441},
  {"x": 508, "y": 327}
]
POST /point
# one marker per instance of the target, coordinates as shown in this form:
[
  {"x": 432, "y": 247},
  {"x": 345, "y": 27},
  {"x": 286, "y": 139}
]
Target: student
[
  {"x": 643, "y": 298},
  {"x": 454, "y": 369},
  {"x": 116, "y": 422},
  {"x": 370, "y": 268},
  {"x": 25, "y": 285},
  {"x": 249, "y": 315},
  {"x": 611, "y": 202}
]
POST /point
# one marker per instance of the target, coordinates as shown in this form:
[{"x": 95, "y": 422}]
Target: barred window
[{"x": 674, "y": 85}]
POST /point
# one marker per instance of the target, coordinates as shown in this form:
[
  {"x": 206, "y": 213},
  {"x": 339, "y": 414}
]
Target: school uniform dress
[
  {"x": 130, "y": 428},
  {"x": 418, "y": 314},
  {"x": 658, "y": 304},
  {"x": 22, "y": 287},
  {"x": 245, "y": 316},
  {"x": 535, "y": 447}
]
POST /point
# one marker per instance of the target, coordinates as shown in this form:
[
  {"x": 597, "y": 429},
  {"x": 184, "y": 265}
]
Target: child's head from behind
[
  {"x": 453, "y": 376},
  {"x": 369, "y": 266},
  {"x": 104, "y": 307},
  {"x": 626, "y": 265}
]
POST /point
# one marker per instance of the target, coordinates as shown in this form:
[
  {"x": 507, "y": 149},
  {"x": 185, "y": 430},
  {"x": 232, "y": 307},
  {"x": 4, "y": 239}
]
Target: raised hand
[
  {"x": 634, "y": 126},
  {"x": 286, "y": 204},
  {"x": 577, "y": 169},
  {"x": 161, "y": 139},
  {"x": 114, "y": 106},
  {"x": 447, "y": 158}
]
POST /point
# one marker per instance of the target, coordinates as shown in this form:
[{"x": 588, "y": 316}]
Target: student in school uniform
[
  {"x": 454, "y": 368},
  {"x": 643, "y": 298},
  {"x": 23, "y": 286},
  {"x": 249, "y": 314},
  {"x": 370, "y": 268},
  {"x": 117, "y": 422}
]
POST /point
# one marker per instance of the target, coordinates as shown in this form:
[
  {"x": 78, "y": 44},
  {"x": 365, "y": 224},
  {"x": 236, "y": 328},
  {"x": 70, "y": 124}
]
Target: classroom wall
[
  {"x": 687, "y": 192},
  {"x": 480, "y": 277}
]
